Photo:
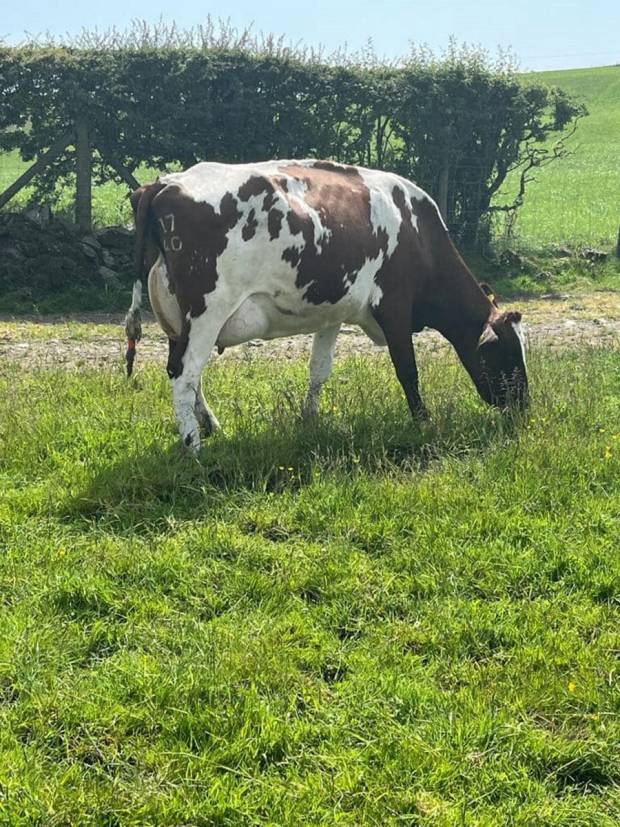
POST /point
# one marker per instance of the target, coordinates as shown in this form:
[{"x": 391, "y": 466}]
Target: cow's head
[
  {"x": 495, "y": 357},
  {"x": 500, "y": 375}
]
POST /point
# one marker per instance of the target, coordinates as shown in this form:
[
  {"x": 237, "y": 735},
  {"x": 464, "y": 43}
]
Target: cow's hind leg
[
  {"x": 186, "y": 362},
  {"x": 206, "y": 418},
  {"x": 321, "y": 362}
]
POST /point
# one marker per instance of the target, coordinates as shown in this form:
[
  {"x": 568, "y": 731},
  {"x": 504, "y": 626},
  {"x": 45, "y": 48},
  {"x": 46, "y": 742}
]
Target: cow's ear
[
  {"x": 512, "y": 316},
  {"x": 488, "y": 336},
  {"x": 488, "y": 291}
]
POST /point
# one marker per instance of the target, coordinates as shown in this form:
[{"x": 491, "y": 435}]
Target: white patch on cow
[
  {"x": 384, "y": 217},
  {"x": 202, "y": 336},
  {"x": 296, "y": 188},
  {"x": 163, "y": 301},
  {"x": 518, "y": 329},
  {"x": 249, "y": 321},
  {"x": 418, "y": 194},
  {"x": 203, "y": 413}
]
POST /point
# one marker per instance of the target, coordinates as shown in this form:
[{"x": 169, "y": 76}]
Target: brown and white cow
[{"x": 236, "y": 252}]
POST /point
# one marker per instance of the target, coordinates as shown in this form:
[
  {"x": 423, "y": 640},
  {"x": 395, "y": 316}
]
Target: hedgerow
[{"x": 457, "y": 125}]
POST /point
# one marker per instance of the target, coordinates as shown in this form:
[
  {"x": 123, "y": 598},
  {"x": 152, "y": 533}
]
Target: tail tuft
[
  {"x": 133, "y": 330},
  {"x": 130, "y": 355}
]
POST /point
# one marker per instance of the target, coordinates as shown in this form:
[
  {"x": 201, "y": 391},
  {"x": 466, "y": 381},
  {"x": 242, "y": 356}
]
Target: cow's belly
[
  {"x": 263, "y": 317},
  {"x": 163, "y": 301}
]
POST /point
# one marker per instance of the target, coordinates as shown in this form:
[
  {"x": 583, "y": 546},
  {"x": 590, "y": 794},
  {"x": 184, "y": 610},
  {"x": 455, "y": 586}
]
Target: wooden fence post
[{"x": 83, "y": 194}]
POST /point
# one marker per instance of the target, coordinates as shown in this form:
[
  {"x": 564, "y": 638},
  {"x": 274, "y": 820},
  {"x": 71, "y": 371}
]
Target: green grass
[
  {"x": 543, "y": 272},
  {"x": 577, "y": 200},
  {"x": 352, "y": 623}
]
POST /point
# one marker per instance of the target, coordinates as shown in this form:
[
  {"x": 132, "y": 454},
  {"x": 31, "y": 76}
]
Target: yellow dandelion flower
[{"x": 572, "y": 686}]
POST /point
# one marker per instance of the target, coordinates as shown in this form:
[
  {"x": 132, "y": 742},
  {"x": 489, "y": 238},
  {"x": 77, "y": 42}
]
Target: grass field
[
  {"x": 578, "y": 199},
  {"x": 352, "y": 623}
]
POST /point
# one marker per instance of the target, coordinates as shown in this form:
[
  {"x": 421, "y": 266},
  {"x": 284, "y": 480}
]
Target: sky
[{"x": 543, "y": 34}]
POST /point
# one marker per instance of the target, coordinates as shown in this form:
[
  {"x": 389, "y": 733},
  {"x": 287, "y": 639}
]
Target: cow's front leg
[
  {"x": 321, "y": 362},
  {"x": 188, "y": 357},
  {"x": 398, "y": 335}
]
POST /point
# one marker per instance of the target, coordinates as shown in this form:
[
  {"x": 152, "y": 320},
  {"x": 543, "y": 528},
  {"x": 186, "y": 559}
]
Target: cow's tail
[{"x": 141, "y": 202}]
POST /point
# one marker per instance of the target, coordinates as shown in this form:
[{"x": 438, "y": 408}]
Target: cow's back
[{"x": 314, "y": 234}]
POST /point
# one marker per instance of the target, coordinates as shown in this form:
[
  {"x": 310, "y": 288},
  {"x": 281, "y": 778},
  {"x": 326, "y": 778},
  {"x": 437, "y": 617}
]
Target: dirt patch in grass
[{"x": 97, "y": 340}]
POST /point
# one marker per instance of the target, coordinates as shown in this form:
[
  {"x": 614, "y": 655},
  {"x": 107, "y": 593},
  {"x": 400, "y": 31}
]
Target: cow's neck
[{"x": 463, "y": 308}]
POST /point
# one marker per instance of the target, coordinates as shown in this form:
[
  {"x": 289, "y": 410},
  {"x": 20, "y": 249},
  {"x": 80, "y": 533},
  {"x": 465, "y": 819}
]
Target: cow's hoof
[
  {"x": 191, "y": 442},
  {"x": 208, "y": 425}
]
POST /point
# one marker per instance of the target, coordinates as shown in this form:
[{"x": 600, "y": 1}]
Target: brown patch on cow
[
  {"x": 274, "y": 223},
  {"x": 292, "y": 255},
  {"x": 249, "y": 229},
  {"x": 426, "y": 274},
  {"x": 257, "y": 185},
  {"x": 423, "y": 261},
  {"x": 192, "y": 235},
  {"x": 328, "y": 266},
  {"x": 395, "y": 277},
  {"x": 333, "y": 166}
]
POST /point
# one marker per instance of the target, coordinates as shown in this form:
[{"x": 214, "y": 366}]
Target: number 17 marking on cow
[{"x": 167, "y": 224}]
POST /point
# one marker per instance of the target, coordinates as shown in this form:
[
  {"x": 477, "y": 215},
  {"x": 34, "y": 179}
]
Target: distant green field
[{"x": 578, "y": 199}]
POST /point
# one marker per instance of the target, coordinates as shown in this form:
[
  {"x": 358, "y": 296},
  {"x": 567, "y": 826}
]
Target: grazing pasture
[
  {"x": 576, "y": 200},
  {"x": 357, "y": 622}
]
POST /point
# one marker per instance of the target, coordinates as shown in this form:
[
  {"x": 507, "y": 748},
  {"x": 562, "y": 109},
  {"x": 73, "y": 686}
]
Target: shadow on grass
[{"x": 163, "y": 480}]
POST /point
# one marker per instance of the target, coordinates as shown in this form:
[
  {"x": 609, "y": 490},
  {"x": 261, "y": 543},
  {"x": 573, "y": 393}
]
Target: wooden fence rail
[{"x": 85, "y": 143}]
